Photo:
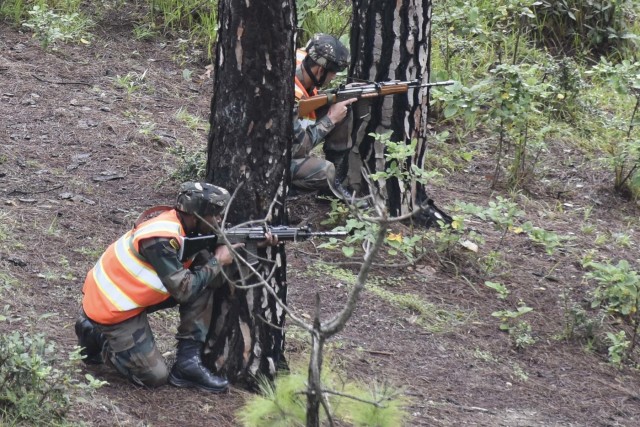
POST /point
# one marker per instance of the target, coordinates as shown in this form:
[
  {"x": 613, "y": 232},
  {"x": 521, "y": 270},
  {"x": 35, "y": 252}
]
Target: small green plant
[
  {"x": 131, "y": 82},
  {"x": 618, "y": 348},
  {"x": 520, "y": 335},
  {"x": 195, "y": 20},
  {"x": 502, "y": 212},
  {"x": 502, "y": 290},
  {"x": 618, "y": 287},
  {"x": 549, "y": 240},
  {"x": 519, "y": 330},
  {"x": 36, "y": 380},
  {"x": 507, "y": 317},
  {"x": 193, "y": 122},
  {"x": 622, "y": 239},
  {"x": 520, "y": 373},
  {"x": 578, "y": 323},
  {"x": 283, "y": 403},
  {"x": 147, "y": 129},
  {"x": 191, "y": 163},
  {"x": 145, "y": 31},
  {"x": 50, "y": 27}
]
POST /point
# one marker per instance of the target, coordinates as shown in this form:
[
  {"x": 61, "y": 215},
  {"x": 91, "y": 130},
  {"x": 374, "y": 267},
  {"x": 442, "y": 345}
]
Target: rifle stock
[{"x": 367, "y": 91}]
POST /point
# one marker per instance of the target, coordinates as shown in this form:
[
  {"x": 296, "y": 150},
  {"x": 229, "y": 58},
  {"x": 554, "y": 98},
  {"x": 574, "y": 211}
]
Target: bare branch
[{"x": 336, "y": 324}]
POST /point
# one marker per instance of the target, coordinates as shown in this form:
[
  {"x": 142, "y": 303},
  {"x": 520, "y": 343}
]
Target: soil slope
[{"x": 81, "y": 157}]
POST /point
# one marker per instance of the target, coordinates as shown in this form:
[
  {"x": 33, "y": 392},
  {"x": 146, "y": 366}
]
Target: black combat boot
[
  {"x": 340, "y": 160},
  {"x": 189, "y": 372},
  {"x": 91, "y": 339}
]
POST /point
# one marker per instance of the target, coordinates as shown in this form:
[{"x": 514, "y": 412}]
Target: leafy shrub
[
  {"x": 596, "y": 27},
  {"x": 618, "y": 287},
  {"x": 50, "y": 26},
  {"x": 35, "y": 380}
]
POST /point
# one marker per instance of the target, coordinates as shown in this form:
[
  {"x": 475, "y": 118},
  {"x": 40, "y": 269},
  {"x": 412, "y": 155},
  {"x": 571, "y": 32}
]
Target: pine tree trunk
[
  {"x": 390, "y": 40},
  {"x": 251, "y": 131}
]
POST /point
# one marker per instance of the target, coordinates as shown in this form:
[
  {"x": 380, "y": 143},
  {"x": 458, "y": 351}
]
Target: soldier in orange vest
[
  {"x": 141, "y": 273},
  {"x": 317, "y": 65}
]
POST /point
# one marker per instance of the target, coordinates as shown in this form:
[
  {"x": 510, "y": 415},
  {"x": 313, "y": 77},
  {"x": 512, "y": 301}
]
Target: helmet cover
[
  {"x": 202, "y": 198},
  {"x": 328, "y": 52}
]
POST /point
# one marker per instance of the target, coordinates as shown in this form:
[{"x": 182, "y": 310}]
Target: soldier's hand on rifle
[
  {"x": 269, "y": 240},
  {"x": 338, "y": 111},
  {"x": 223, "y": 253}
]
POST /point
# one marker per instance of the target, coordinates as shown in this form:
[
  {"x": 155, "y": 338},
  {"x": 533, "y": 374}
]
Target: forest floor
[{"x": 81, "y": 157}]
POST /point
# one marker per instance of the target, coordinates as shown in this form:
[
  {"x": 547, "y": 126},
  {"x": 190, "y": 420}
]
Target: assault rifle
[
  {"x": 250, "y": 236},
  {"x": 371, "y": 90}
]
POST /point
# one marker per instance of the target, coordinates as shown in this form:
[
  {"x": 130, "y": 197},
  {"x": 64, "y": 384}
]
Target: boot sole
[{"x": 176, "y": 382}]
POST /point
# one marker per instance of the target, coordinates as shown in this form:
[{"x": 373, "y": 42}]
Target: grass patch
[{"x": 432, "y": 317}]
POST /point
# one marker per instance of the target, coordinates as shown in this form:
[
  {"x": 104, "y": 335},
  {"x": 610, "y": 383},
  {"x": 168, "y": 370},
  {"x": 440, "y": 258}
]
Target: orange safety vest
[
  {"x": 299, "y": 89},
  {"x": 122, "y": 283}
]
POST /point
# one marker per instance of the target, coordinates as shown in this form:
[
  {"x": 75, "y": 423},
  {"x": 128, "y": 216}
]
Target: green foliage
[
  {"x": 624, "y": 151},
  {"x": 51, "y": 27},
  {"x": 618, "y": 287},
  {"x": 280, "y": 404},
  {"x": 323, "y": 16},
  {"x": 12, "y": 10},
  {"x": 547, "y": 239},
  {"x": 594, "y": 27},
  {"x": 131, "y": 82},
  {"x": 502, "y": 290},
  {"x": 36, "y": 381},
  {"x": 195, "y": 21},
  {"x": 618, "y": 348},
  {"x": 502, "y": 212},
  {"x": 361, "y": 231},
  {"x": 191, "y": 163},
  {"x": 397, "y": 156},
  {"x": 508, "y": 317},
  {"x": 388, "y": 410},
  {"x": 18, "y": 10},
  {"x": 283, "y": 403}
]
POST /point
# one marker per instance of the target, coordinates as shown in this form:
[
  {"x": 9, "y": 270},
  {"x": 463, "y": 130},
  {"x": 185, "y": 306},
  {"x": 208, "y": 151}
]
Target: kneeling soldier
[{"x": 141, "y": 273}]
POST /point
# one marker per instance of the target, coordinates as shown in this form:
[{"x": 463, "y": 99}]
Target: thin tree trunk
[{"x": 391, "y": 41}]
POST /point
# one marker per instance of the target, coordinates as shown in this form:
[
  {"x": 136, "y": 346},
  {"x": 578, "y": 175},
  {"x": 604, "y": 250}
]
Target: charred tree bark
[
  {"x": 390, "y": 40},
  {"x": 251, "y": 132}
]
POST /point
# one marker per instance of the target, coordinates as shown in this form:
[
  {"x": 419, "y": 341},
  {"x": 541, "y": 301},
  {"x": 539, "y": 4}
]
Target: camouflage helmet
[
  {"x": 328, "y": 52},
  {"x": 202, "y": 198}
]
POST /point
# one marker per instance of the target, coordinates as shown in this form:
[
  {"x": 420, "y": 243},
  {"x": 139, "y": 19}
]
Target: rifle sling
[{"x": 149, "y": 213}]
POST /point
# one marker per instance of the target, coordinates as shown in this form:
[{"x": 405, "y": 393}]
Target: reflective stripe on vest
[
  {"x": 301, "y": 92},
  {"x": 122, "y": 284}
]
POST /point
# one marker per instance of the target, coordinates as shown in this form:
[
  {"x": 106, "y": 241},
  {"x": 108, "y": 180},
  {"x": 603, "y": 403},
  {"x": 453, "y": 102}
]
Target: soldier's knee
[{"x": 330, "y": 170}]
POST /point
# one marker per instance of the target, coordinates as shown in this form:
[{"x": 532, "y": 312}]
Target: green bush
[
  {"x": 592, "y": 27},
  {"x": 36, "y": 382}
]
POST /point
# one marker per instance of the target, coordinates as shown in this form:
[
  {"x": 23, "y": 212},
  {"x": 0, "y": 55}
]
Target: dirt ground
[{"x": 80, "y": 158}]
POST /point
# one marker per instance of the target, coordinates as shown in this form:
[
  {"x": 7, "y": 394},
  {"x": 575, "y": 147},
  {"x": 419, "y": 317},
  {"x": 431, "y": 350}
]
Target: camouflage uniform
[
  {"x": 141, "y": 273},
  {"x": 130, "y": 346},
  {"x": 309, "y": 172}
]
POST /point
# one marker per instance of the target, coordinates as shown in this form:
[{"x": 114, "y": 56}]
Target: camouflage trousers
[
  {"x": 314, "y": 173},
  {"x": 311, "y": 173},
  {"x": 131, "y": 348}
]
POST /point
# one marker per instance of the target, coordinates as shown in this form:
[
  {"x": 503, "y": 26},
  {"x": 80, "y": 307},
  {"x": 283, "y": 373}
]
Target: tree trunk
[
  {"x": 250, "y": 137},
  {"x": 390, "y": 40}
]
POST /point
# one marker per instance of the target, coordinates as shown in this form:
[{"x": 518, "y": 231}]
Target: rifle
[
  {"x": 250, "y": 236},
  {"x": 371, "y": 90}
]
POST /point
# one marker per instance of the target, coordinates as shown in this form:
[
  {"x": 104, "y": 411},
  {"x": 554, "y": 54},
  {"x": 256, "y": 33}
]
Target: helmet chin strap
[{"x": 316, "y": 83}]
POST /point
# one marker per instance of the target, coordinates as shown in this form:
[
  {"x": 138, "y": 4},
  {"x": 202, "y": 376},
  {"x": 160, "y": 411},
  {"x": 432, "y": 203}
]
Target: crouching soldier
[{"x": 141, "y": 273}]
